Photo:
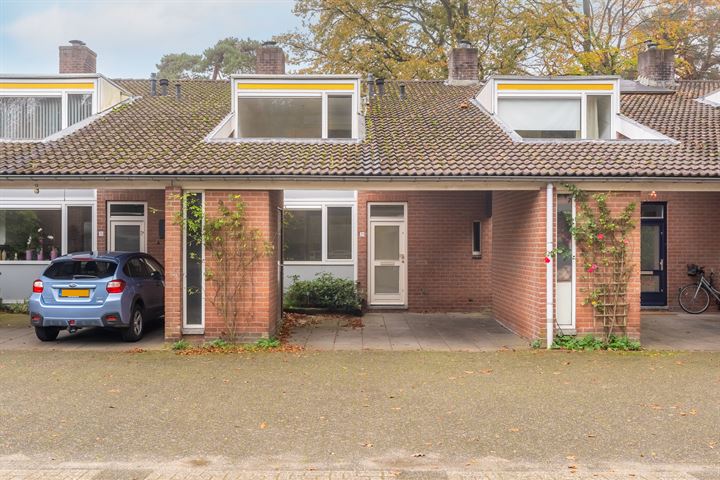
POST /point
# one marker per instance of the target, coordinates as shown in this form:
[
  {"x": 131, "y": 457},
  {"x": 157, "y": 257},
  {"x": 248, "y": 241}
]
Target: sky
[{"x": 130, "y": 36}]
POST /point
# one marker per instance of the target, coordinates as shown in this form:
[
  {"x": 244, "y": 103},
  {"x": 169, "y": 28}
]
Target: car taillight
[
  {"x": 37, "y": 286},
  {"x": 115, "y": 286}
]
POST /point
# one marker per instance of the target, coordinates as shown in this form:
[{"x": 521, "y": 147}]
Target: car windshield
[{"x": 73, "y": 269}]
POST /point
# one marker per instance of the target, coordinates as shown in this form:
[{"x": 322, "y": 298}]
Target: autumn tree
[
  {"x": 692, "y": 28},
  {"x": 228, "y": 56},
  {"x": 408, "y": 38}
]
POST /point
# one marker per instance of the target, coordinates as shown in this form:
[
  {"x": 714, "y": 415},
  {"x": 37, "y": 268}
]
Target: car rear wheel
[
  {"x": 47, "y": 334},
  {"x": 135, "y": 330}
]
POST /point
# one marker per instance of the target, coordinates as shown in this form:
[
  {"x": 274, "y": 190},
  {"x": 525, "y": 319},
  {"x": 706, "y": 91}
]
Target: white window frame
[
  {"x": 62, "y": 206},
  {"x": 127, "y": 218},
  {"x": 324, "y": 221},
  {"x": 476, "y": 253},
  {"x": 193, "y": 329},
  {"x": 53, "y": 93},
  {"x": 322, "y": 93},
  {"x": 573, "y": 278},
  {"x": 582, "y": 96}
]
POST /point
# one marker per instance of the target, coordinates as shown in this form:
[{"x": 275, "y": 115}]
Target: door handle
[{"x": 662, "y": 264}]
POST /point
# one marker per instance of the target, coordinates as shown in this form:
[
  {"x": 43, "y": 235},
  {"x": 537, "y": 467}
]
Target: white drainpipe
[{"x": 550, "y": 215}]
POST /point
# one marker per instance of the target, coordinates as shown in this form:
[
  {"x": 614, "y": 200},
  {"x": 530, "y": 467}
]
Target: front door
[
  {"x": 127, "y": 236},
  {"x": 388, "y": 258},
  {"x": 653, "y": 250}
]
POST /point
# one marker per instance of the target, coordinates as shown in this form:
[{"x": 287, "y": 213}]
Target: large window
[
  {"x": 580, "y": 116},
  {"x": 318, "y": 234},
  {"x": 43, "y": 233},
  {"x": 542, "y": 117},
  {"x": 303, "y": 236},
  {"x": 280, "y": 117},
  {"x": 39, "y": 116},
  {"x": 30, "y": 118}
]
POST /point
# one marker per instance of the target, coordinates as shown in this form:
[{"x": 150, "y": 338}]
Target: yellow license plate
[{"x": 74, "y": 292}]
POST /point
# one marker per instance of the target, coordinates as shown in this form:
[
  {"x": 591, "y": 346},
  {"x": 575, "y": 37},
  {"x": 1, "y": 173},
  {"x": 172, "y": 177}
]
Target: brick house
[{"x": 434, "y": 195}]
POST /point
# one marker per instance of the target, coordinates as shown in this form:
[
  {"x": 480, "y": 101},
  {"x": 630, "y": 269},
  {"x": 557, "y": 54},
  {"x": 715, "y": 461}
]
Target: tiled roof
[{"x": 434, "y": 131}]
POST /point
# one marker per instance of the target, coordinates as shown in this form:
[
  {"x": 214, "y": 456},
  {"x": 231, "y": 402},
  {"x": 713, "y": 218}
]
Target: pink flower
[
  {"x": 592, "y": 268},
  {"x": 600, "y": 236},
  {"x": 547, "y": 259}
]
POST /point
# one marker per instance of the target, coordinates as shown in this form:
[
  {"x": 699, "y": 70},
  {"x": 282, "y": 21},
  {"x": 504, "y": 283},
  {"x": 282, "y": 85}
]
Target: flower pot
[
  {"x": 28, "y": 254},
  {"x": 53, "y": 253},
  {"x": 41, "y": 255}
]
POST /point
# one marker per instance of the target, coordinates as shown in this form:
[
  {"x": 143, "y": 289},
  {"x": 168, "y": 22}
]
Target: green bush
[
  {"x": 590, "y": 343},
  {"x": 18, "y": 308},
  {"x": 181, "y": 345},
  {"x": 325, "y": 291}
]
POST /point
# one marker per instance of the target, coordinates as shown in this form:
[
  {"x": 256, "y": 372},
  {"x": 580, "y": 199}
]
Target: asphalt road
[{"x": 373, "y": 411}]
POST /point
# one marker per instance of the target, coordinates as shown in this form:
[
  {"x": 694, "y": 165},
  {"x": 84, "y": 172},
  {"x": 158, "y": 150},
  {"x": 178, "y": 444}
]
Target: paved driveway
[
  {"x": 680, "y": 331},
  {"x": 449, "y": 332},
  {"x": 17, "y": 334}
]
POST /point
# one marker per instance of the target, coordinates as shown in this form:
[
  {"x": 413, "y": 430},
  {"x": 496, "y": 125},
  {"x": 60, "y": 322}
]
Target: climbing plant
[
  {"x": 604, "y": 243},
  {"x": 233, "y": 246}
]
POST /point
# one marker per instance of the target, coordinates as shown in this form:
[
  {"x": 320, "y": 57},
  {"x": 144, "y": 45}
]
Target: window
[
  {"x": 71, "y": 269},
  {"x": 542, "y": 117},
  {"x": 387, "y": 211},
  {"x": 280, "y": 117},
  {"x": 322, "y": 233},
  {"x": 135, "y": 268},
  {"x": 194, "y": 271},
  {"x": 79, "y": 228},
  {"x": 307, "y": 108},
  {"x": 339, "y": 233},
  {"x": 79, "y": 107},
  {"x": 598, "y": 112},
  {"x": 477, "y": 239},
  {"x": 39, "y": 116},
  {"x": 340, "y": 116},
  {"x": 127, "y": 209},
  {"x": 30, "y": 118},
  {"x": 30, "y": 234},
  {"x": 303, "y": 236}
]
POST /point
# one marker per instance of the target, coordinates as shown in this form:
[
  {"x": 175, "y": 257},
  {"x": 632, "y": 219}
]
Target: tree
[
  {"x": 407, "y": 38},
  {"x": 228, "y": 56},
  {"x": 692, "y": 28}
]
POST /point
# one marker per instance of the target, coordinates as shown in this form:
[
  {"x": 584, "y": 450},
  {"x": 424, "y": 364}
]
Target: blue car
[{"x": 116, "y": 290}]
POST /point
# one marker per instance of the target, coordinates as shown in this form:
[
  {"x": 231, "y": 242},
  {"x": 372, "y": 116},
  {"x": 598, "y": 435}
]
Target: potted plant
[{"x": 28, "y": 251}]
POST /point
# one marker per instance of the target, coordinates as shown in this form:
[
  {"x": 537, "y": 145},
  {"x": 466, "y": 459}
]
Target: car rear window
[{"x": 72, "y": 269}]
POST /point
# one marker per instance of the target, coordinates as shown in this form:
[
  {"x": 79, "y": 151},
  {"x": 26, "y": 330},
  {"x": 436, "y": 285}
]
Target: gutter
[
  {"x": 549, "y": 304},
  {"x": 361, "y": 178}
]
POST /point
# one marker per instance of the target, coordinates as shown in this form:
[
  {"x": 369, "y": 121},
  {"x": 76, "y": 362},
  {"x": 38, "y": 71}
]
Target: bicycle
[{"x": 695, "y": 298}]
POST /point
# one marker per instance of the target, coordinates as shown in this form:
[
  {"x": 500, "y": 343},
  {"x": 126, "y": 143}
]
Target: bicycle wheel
[{"x": 693, "y": 299}]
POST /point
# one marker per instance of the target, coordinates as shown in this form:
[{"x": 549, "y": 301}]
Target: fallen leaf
[
  {"x": 263, "y": 425},
  {"x": 486, "y": 371},
  {"x": 514, "y": 429},
  {"x": 418, "y": 455},
  {"x": 367, "y": 445}
]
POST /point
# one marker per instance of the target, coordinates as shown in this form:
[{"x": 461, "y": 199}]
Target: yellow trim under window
[
  {"x": 296, "y": 86},
  {"x": 555, "y": 86},
  {"x": 46, "y": 86}
]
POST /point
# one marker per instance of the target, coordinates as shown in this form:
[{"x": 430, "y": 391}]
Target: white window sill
[{"x": 193, "y": 330}]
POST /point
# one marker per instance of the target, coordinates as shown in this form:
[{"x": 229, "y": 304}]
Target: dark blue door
[{"x": 653, "y": 251}]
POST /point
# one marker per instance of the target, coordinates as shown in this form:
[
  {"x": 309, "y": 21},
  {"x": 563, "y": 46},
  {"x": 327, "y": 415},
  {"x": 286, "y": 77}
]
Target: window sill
[{"x": 193, "y": 330}]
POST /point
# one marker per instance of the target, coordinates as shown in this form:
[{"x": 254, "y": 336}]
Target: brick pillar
[
  {"x": 518, "y": 266},
  {"x": 173, "y": 265}
]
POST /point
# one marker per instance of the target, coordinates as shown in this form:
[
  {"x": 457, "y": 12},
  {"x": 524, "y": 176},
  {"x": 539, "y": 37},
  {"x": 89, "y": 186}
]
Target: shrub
[
  {"x": 181, "y": 345},
  {"x": 590, "y": 342},
  {"x": 325, "y": 291}
]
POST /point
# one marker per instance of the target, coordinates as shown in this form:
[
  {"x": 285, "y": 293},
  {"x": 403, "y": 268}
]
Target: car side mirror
[{"x": 156, "y": 276}]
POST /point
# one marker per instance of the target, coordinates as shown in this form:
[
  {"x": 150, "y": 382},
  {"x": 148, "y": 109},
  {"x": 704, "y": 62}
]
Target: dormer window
[
  {"x": 39, "y": 107},
  {"x": 561, "y": 109},
  {"x": 296, "y": 107}
]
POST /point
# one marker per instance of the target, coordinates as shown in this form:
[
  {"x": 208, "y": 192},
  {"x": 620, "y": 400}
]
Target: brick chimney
[
  {"x": 463, "y": 64},
  {"x": 656, "y": 66},
  {"x": 77, "y": 58},
  {"x": 270, "y": 59}
]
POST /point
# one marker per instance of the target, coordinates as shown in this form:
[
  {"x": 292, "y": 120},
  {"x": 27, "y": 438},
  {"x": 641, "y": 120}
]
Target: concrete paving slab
[{"x": 680, "y": 331}]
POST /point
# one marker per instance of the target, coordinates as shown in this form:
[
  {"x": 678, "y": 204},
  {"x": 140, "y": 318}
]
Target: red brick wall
[
  {"x": 584, "y": 315},
  {"x": 442, "y": 274},
  {"x": 259, "y": 305},
  {"x": 155, "y": 205},
  {"x": 518, "y": 266},
  {"x": 693, "y": 220}
]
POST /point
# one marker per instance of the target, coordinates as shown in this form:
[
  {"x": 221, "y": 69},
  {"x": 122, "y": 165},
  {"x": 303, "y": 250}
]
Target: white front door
[
  {"x": 388, "y": 262},
  {"x": 127, "y": 236}
]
